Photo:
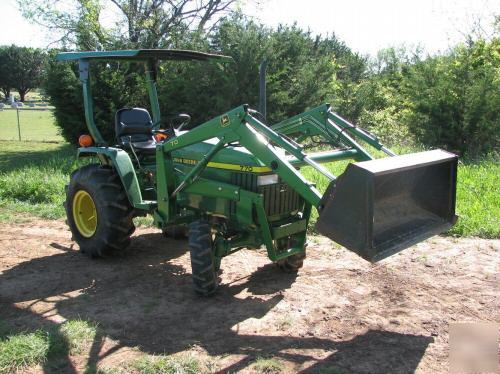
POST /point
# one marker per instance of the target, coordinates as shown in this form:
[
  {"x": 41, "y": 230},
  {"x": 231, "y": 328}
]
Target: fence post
[{"x": 18, "y": 124}]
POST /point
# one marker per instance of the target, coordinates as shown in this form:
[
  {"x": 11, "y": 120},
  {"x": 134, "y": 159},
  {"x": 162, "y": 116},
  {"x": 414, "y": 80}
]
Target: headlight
[{"x": 264, "y": 180}]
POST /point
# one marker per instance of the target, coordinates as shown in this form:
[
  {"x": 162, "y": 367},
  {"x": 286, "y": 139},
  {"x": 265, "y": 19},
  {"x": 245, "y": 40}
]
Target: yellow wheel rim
[{"x": 84, "y": 213}]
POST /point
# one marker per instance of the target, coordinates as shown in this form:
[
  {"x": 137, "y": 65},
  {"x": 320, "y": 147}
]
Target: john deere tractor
[{"x": 235, "y": 182}]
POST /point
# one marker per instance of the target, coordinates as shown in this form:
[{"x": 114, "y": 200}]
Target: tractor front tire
[
  {"x": 293, "y": 263},
  {"x": 203, "y": 263},
  {"x": 98, "y": 211}
]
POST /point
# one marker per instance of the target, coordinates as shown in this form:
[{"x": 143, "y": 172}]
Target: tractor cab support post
[
  {"x": 84, "y": 73},
  {"x": 151, "y": 72},
  {"x": 84, "y": 67}
]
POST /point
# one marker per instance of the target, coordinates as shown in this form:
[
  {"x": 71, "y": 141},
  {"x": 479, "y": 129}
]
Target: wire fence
[{"x": 28, "y": 123}]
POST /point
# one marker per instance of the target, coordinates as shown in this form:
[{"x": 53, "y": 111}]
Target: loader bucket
[{"x": 380, "y": 207}]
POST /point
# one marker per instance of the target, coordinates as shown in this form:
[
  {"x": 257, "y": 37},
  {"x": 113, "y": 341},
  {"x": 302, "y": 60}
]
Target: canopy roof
[{"x": 141, "y": 55}]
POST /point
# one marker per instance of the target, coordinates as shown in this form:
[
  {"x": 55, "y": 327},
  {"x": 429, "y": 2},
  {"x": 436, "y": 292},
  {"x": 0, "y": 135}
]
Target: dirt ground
[{"x": 339, "y": 314}]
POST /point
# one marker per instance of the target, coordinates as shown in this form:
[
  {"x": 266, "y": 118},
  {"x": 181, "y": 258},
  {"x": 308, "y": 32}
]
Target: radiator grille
[{"x": 278, "y": 198}]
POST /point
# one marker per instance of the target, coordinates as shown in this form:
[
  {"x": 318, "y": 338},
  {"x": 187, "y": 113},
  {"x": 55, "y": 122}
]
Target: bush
[
  {"x": 113, "y": 86},
  {"x": 454, "y": 99}
]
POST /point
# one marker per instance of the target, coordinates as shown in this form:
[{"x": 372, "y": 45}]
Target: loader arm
[
  {"x": 238, "y": 125},
  {"x": 333, "y": 129},
  {"x": 375, "y": 208}
]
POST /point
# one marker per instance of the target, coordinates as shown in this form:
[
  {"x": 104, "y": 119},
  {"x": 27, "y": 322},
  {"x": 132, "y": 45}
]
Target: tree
[
  {"x": 300, "y": 73},
  {"x": 65, "y": 92},
  {"x": 5, "y": 77},
  {"x": 148, "y": 23},
  {"x": 24, "y": 68},
  {"x": 454, "y": 98}
]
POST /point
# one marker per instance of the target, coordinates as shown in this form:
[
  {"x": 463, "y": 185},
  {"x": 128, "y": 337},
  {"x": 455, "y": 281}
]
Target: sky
[{"x": 365, "y": 25}]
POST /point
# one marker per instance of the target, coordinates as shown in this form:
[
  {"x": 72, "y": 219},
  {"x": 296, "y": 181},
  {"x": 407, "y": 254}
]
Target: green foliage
[
  {"x": 114, "y": 86},
  {"x": 266, "y": 365},
  {"x": 79, "y": 335},
  {"x": 478, "y": 199},
  {"x": 139, "y": 24},
  {"x": 301, "y": 69},
  {"x": 21, "y": 68},
  {"x": 20, "y": 351},
  {"x": 179, "y": 364},
  {"x": 454, "y": 99},
  {"x": 33, "y": 176},
  {"x": 447, "y": 101},
  {"x": 5, "y": 78},
  {"x": 31, "y": 186},
  {"x": 64, "y": 89},
  {"x": 299, "y": 72}
]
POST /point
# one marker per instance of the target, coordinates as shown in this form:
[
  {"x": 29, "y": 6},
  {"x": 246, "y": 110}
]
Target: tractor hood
[{"x": 233, "y": 158}]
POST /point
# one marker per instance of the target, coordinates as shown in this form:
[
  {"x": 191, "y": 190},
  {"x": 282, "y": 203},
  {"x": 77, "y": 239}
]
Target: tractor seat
[{"x": 134, "y": 125}]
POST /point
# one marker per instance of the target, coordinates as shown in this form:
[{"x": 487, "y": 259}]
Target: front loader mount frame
[{"x": 242, "y": 127}]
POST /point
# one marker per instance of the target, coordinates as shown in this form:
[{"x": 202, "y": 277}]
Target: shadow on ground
[{"x": 144, "y": 298}]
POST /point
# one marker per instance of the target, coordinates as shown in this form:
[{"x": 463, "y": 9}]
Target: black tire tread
[
  {"x": 115, "y": 214},
  {"x": 293, "y": 263},
  {"x": 204, "y": 274}
]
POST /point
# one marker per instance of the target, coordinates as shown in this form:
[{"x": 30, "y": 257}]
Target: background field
[{"x": 36, "y": 124}]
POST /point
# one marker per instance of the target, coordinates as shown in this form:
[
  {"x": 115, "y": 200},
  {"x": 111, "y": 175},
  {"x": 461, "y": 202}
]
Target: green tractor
[{"x": 234, "y": 182}]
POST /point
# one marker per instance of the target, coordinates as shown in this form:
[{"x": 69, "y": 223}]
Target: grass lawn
[
  {"x": 22, "y": 350},
  {"x": 33, "y": 176},
  {"x": 50, "y": 348},
  {"x": 35, "y": 125}
]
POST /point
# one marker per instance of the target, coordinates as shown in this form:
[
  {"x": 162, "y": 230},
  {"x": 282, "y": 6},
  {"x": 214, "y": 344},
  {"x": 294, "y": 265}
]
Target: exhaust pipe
[{"x": 262, "y": 88}]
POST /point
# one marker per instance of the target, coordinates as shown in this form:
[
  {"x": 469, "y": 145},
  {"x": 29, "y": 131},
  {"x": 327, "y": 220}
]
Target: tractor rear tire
[
  {"x": 203, "y": 263},
  {"x": 95, "y": 194},
  {"x": 293, "y": 263}
]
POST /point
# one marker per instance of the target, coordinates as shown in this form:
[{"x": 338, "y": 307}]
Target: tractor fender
[{"x": 122, "y": 163}]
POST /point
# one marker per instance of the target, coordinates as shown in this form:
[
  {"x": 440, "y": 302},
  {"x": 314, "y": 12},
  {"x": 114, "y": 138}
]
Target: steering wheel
[{"x": 178, "y": 121}]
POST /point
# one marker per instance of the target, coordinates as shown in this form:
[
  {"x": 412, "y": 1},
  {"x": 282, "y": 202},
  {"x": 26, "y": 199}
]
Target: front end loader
[{"x": 235, "y": 182}]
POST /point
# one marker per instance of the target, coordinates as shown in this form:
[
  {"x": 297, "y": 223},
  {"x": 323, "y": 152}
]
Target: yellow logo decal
[{"x": 224, "y": 120}]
